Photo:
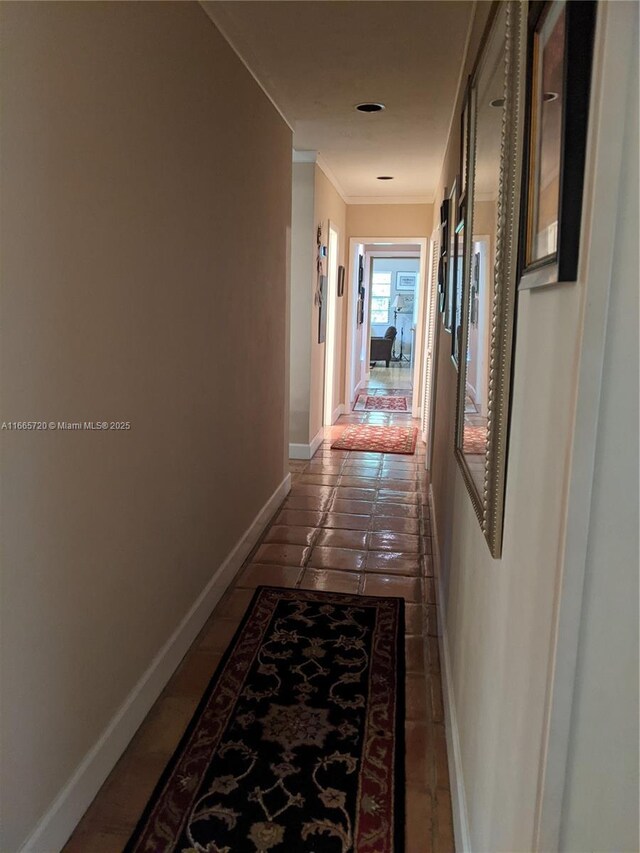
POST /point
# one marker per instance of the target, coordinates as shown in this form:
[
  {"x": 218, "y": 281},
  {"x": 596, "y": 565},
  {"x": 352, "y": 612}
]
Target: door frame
[
  {"x": 330, "y": 353},
  {"x": 351, "y": 362}
]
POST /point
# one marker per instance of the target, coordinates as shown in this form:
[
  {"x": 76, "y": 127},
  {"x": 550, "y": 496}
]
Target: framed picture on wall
[
  {"x": 406, "y": 281},
  {"x": 559, "y": 59},
  {"x": 456, "y": 321},
  {"x": 340, "y": 280},
  {"x": 322, "y": 314},
  {"x": 450, "y": 271},
  {"x": 464, "y": 148}
]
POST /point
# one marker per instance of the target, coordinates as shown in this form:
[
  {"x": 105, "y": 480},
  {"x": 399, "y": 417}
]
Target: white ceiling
[{"x": 318, "y": 59}]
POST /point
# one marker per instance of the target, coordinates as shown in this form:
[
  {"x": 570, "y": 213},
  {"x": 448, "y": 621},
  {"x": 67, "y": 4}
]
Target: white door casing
[{"x": 428, "y": 361}]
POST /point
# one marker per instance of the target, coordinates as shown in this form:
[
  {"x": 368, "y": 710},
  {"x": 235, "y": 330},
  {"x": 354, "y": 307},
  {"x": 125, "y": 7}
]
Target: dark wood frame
[
  {"x": 562, "y": 265},
  {"x": 450, "y": 252},
  {"x": 463, "y": 171},
  {"x": 444, "y": 247}
]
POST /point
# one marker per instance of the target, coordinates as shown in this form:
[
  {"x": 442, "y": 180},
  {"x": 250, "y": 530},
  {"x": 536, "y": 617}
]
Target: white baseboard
[
  {"x": 306, "y": 451},
  {"x": 61, "y": 818},
  {"x": 458, "y": 796},
  {"x": 340, "y": 409}
]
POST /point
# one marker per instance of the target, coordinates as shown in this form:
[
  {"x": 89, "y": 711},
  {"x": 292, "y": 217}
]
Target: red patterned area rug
[
  {"x": 380, "y": 439},
  {"x": 381, "y": 403},
  {"x": 298, "y": 742},
  {"x": 475, "y": 440}
]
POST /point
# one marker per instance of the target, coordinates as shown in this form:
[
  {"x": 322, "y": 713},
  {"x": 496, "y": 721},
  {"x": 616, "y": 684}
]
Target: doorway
[
  {"x": 331, "y": 407},
  {"x": 392, "y": 321},
  {"x": 386, "y": 293}
]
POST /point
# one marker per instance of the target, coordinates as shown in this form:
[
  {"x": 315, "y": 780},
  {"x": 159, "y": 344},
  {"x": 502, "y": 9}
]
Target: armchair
[{"x": 381, "y": 347}]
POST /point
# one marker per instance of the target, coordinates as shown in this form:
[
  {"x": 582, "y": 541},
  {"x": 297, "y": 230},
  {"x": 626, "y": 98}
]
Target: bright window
[{"x": 380, "y": 297}]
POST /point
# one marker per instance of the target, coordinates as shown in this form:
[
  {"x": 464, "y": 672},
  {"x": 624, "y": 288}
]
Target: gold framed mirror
[{"x": 490, "y": 253}]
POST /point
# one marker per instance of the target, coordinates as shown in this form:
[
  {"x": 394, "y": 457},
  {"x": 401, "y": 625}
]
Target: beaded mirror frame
[{"x": 507, "y": 22}]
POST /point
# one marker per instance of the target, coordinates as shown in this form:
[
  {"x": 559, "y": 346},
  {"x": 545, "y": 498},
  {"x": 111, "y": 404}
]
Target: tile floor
[{"x": 354, "y": 522}]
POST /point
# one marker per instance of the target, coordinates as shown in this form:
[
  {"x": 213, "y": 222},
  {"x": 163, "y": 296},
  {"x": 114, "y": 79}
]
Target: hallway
[{"x": 353, "y": 522}]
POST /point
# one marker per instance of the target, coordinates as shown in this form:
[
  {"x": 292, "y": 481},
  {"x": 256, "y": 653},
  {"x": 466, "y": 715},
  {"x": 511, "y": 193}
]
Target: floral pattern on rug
[
  {"x": 377, "y": 439},
  {"x": 298, "y": 741},
  {"x": 381, "y": 403}
]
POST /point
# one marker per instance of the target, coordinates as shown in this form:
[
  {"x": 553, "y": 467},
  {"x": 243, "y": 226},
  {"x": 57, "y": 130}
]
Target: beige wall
[
  {"x": 389, "y": 220},
  {"x": 499, "y": 613},
  {"x": 601, "y": 793},
  {"x": 145, "y": 197}
]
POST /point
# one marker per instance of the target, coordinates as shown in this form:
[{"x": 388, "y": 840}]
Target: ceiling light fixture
[
  {"x": 370, "y": 108},
  {"x": 385, "y": 177}
]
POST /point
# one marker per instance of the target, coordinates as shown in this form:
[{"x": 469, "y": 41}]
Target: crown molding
[
  {"x": 381, "y": 199},
  {"x": 322, "y": 164}
]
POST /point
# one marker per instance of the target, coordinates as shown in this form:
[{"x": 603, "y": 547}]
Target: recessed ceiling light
[
  {"x": 385, "y": 177},
  {"x": 370, "y": 108}
]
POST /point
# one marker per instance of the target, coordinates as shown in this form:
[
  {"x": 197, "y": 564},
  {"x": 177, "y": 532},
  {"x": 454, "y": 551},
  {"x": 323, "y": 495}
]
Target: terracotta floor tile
[
  {"x": 396, "y": 497},
  {"x": 337, "y": 558},
  {"x": 333, "y": 581},
  {"x": 310, "y": 490},
  {"x": 363, "y": 463},
  {"x": 351, "y": 493},
  {"x": 399, "y": 485},
  {"x": 283, "y": 534},
  {"x": 417, "y": 706},
  {"x": 361, "y": 471},
  {"x": 97, "y": 842},
  {"x": 440, "y": 750},
  {"x": 192, "y": 676},
  {"x": 319, "y": 479},
  {"x": 418, "y": 746},
  {"x": 419, "y": 819},
  {"x": 322, "y": 468},
  {"x": 393, "y": 562},
  {"x": 354, "y": 507},
  {"x": 430, "y": 590},
  {"x": 432, "y": 620},
  {"x": 408, "y": 588},
  {"x": 433, "y": 654},
  {"x": 399, "y": 474},
  {"x": 299, "y": 517},
  {"x": 413, "y": 619},
  {"x": 403, "y": 542},
  {"x": 216, "y": 635},
  {"x": 357, "y": 482},
  {"x": 414, "y": 654},
  {"x": 396, "y": 525},
  {"x": 234, "y": 604},
  {"x": 163, "y": 727},
  {"x": 282, "y": 555},
  {"x": 346, "y": 521},
  {"x": 437, "y": 707},
  {"x": 337, "y": 538},
  {"x": 397, "y": 510},
  {"x": 256, "y": 574},
  {"x": 307, "y": 502},
  {"x": 444, "y": 841},
  {"x": 124, "y": 795}
]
